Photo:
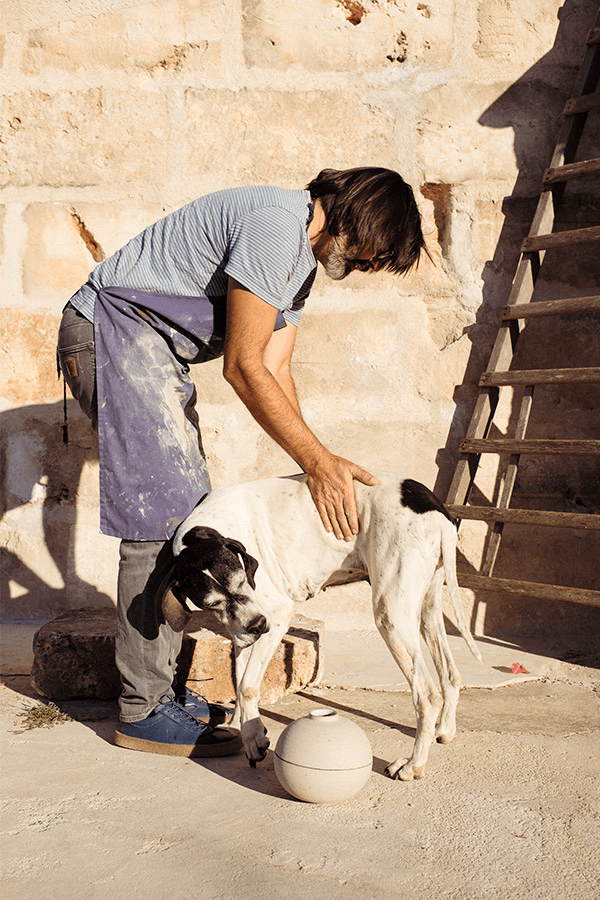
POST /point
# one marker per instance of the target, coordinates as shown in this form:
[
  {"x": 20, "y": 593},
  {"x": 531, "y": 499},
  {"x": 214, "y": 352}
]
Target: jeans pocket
[{"x": 78, "y": 365}]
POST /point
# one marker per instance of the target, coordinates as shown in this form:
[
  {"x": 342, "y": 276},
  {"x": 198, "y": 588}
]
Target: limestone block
[
  {"x": 74, "y": 658},
  {"x": 346, "y": 365},
  {"x": 346, "y": 36},
  {"x": 452, "y": 146},
  {"x": 529, "y": 108},
  {"x": 66, "y": 241},
  {"x": 83, "y": 138},
  {"x": 231, "y": 459},
  {"x": 153, "y": 38},
  {"x": 519, "y": 32},
  {"x": 408, "y": 444},
  {"x": 283, "y": 137},
  {"x": 488, "y": 226},
  {"x": 56, "y": 259},
  {"x": 478, "y": 131},
  {"x": 296, "y": 663},
  {"x": 28, "y": 363}
]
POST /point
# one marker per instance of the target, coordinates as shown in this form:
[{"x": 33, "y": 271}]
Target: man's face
[{"x": 338, "y": 262}]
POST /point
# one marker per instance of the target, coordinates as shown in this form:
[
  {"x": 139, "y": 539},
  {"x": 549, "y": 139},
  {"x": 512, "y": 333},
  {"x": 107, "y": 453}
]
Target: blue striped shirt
[{"x": 257, "y": 235}]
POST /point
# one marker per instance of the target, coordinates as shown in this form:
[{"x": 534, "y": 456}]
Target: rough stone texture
[
  {"x": 232, "y": 126},
  {"x": 74, "y": 658},
  {"x": 151, "y": 39},
  {"x": 82, "y": 126},
  {"x": 112, "y": 116},
  {"x": 208, "y": 659},
  {"x": 346, "y": 36}
]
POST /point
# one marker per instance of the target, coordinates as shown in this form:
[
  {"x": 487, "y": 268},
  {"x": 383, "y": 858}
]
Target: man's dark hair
[{"x": 372, "y": 208}]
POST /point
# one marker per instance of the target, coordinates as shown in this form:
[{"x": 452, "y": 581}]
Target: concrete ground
[{"x": 510, "y": 810}]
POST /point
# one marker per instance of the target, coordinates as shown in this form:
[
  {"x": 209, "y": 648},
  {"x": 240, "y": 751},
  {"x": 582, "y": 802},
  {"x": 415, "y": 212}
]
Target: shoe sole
[{"x": 189, "y": 750}]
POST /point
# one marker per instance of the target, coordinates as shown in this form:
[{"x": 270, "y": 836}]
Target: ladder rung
[
  {"x": 568, "y": 306},
  {"x": 561, "y": 239},
  {"x": 534, "y": 589},
  {"x": 572, "y": 170},
  {"x": 510, "y": 446},
  {"x": 581, "y": 104},
  {"x": 544, "y": 518},
  {"x": 590, "y": 375}
]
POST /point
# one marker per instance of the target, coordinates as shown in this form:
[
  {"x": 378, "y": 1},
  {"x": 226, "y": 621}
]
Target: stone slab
[{"x": 74, "y": 658}]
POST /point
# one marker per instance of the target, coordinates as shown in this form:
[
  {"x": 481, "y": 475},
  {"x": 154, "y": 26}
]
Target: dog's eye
[{"x": 212, "y": 602}]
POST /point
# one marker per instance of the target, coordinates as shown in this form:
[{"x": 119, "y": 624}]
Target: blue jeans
[{"x": 146, "y": 648}]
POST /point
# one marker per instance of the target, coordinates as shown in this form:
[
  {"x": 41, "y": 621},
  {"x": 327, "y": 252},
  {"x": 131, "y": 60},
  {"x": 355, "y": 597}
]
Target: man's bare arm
[{"x": 268, "y": 393}]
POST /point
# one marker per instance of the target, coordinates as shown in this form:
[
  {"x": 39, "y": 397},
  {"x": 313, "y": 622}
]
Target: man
[{"x": 227, "y": 274}]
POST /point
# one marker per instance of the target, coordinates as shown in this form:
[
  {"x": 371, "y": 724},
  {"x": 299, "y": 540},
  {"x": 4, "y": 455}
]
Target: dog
[{"x": 251, "y": 551}]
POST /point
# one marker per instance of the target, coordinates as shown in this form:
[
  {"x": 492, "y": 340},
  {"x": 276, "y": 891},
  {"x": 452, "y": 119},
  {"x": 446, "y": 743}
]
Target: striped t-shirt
[{"x": 257, "y": 235}]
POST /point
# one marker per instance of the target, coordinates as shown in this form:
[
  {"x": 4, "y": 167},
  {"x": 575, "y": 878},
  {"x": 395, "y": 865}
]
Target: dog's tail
[{"x": 449, "y": 563}]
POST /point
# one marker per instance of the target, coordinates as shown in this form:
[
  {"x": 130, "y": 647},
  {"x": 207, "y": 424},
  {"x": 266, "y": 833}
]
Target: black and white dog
[{"x": 251, "y": 551}]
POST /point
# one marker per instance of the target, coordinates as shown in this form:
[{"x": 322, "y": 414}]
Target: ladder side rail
[{"x": 509, "y": 477}]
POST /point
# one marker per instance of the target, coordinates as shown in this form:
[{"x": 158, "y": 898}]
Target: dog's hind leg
[
  {"x": 398, "y": 616},
  {"x": 432, "y": 625}
]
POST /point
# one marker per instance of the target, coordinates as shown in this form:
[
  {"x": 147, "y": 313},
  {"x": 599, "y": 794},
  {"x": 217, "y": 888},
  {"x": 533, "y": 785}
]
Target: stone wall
[{"x": 118, "y": 111}]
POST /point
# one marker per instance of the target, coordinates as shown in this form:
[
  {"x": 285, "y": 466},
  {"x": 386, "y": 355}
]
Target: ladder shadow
[{"x": 534, "y": 112}]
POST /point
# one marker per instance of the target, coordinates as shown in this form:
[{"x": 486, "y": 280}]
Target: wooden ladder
[{"x": 518, "y": 310}]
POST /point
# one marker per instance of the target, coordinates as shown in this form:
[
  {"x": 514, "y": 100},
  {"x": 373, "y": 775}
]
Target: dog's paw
[
  {"x": 256, "y": 742},
  {"x": 403, "y": 772}
]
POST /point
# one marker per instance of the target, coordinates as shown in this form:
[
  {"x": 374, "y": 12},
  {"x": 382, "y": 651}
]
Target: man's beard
[{"x": 336, "y": 261}]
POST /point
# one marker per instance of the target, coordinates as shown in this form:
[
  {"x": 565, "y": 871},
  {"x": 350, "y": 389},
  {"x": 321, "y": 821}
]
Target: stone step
[{"x": 74, "y": 658}]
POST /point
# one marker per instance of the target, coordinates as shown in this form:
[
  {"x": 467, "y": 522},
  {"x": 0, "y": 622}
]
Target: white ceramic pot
[{"x": 323, "y": 758}]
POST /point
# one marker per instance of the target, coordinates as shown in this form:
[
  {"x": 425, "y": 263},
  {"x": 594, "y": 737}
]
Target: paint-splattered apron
[{"x": 152, "y": 466}]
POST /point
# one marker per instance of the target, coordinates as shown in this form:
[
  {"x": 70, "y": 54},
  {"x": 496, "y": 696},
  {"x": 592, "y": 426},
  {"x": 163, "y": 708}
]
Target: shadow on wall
[
  {"x": 532, "y": 107},
  {"x": 39, "y": 514}
]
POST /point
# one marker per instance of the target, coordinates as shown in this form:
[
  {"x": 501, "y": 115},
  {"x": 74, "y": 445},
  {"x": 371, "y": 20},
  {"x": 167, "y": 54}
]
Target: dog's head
[{"x": 215, "y": 573}]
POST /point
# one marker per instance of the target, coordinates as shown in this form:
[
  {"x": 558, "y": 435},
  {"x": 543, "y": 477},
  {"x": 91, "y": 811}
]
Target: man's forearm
[
  {"x": 274, "y": 404},
  {"x": 286, "y": 383}
]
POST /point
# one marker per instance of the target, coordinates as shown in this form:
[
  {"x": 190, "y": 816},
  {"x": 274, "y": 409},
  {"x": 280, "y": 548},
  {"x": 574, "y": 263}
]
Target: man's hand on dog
[{"x": 332, "y": 489}]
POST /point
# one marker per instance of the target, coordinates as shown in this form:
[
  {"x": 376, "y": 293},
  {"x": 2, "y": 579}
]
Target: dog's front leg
[
  {"x": 252, "y": 667},
  {"x": 242, "y": 655}
]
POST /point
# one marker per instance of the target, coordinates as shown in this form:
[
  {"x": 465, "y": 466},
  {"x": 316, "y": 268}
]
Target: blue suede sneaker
[
  {"x": 201, "y": 709},
  {"x": 172, "y": 731}
]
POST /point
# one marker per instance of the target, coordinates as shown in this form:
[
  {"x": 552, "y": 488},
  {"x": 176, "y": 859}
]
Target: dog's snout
[{"x": 257, "y": 626}]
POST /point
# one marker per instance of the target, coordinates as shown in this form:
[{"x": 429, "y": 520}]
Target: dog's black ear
[
  {"x": 206, "y": 540},
  {"x": 173, "y": 603},
  {"x": 250, "y": 564},
  {"x": 207, "y": 543}
]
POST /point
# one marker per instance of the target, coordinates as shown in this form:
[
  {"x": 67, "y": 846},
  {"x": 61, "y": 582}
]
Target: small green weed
[{"x": 42, "y": 715}]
